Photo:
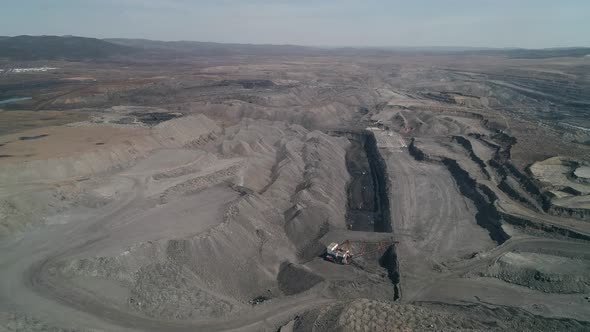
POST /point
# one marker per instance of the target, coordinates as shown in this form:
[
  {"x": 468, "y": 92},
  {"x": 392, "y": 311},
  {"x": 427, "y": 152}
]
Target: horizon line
[{"x": 506, "y": 48}]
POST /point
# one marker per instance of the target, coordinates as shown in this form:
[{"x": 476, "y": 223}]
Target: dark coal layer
[
  {"x": 390, "y": 263},
  {"x": 482, "y": 197},
  {"x": 368, "y": 199}
]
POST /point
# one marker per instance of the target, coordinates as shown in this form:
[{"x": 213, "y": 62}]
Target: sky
[{"x": 465, "y": 23}]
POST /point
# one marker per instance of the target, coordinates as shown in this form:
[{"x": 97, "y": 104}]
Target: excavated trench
[
  {"x": 483, "y": 198},
  {"x": 390, "y": 262},
  {"x": 368, "y": 200},
  {"x": 368, "y": 206}
]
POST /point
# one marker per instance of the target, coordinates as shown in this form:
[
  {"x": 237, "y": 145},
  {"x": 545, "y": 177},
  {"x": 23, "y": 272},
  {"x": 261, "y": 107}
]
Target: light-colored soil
[
  {"x": 65, "y": 141},
  {"x": 565, "y": 180},
  {"x": 213, "y": 212},
  {"x": 17, "y": 121},
  {"x": 554, "y": 171},
  {"x": 582, "y": 172}
]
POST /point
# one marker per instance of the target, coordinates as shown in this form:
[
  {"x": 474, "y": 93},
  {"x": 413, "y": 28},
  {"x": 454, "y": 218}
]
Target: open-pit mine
[{"x": 353, "y": 192}]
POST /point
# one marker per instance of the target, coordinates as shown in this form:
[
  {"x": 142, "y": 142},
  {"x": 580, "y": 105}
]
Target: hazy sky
[{"x": 493, "y": 23}]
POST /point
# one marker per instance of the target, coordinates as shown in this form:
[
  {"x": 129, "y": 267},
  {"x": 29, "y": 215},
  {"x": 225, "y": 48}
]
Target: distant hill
[
  {"x": 210, "y": 48},
  {"x": 544, "y": 53},
  {"x": 55, "y": 47},
  {"x": 80, "y": 48},
  {"x": 551, "y": 53}
]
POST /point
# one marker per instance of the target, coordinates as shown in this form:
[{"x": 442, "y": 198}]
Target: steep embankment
[{"x": 483, "y": 197}]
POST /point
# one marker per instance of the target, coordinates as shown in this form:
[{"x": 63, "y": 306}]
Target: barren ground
[{"x": 200, "y": 195}]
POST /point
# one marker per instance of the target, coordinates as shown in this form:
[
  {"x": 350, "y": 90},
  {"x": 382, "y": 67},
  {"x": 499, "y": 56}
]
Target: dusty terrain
[{"x": 199, "y": 194}]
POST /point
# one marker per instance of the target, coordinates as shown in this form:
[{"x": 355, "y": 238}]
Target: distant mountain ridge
[
  {"x": 56, "y": 47},
  {"x": 211, "y": 48},
  {"x": 83, "y": 48},
  {"x": 522, "y": 53}
]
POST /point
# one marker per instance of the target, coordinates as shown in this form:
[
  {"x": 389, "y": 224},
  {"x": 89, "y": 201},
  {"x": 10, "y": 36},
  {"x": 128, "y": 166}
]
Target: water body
[{"x": 12, "y": 100}]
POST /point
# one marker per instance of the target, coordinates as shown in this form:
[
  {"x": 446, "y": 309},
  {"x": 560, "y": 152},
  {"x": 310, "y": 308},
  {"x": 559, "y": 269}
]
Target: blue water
[{"x": 12, "y": 100}]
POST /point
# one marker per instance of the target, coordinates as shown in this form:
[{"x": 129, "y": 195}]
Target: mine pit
[
  {"x": 368, "y": 206},
  {"x": 368, "y": 200}
]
